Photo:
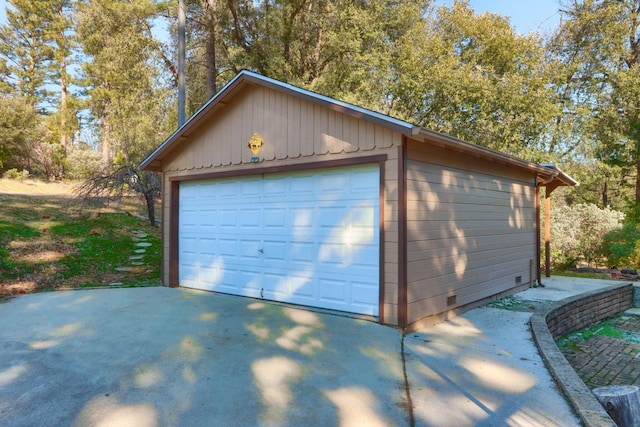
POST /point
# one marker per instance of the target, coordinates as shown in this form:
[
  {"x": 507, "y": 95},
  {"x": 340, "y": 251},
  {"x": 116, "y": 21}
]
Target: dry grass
[{"x": 30, "y": 187}]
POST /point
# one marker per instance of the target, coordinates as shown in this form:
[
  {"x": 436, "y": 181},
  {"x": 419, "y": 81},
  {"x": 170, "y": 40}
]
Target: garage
[
  {"x": 274, "y": 192},
  {"x": 307, "y": 238}
]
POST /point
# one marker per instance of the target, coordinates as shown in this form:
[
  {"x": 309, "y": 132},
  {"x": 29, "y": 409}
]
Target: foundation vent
[
  {"x": 518, "y": 280},
  {"x": 451, "y": 300}
]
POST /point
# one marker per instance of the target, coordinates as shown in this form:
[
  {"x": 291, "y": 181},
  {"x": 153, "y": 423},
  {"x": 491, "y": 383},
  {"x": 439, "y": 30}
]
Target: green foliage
[
  {"x": 121, "y": 75},
  {"x": 570, "y": 98},
  {"x": 343, "y": 49},
  {"x": 83, "y": 163},
  {"x": 473, "y": 77},
  {"x": 578, "y": 232},
  {"x": 14, "y": 174},
  {"x": 23, "y": 45},
  {"x": 20, "y": 130},
  {"x": 597, "y": 78},
  {"x": 622, "y": 247},
  {"x": 601, "y": 183}
]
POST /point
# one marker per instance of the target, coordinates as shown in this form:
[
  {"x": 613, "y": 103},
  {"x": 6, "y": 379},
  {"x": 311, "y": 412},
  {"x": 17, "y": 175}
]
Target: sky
[{"x": 525, "y": 15}]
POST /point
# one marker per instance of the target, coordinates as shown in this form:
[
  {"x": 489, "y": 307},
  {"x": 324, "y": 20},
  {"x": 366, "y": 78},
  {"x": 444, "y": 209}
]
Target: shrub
[
  {"x": 14, "y": 174},
  {"x": 83, "y": 163},
  {"x": 622, "y": 247},
  {"x": 578, "y": 232}
]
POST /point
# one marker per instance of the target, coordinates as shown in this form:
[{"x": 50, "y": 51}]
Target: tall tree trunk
[
  {"x": 63, "y": 103},
  {"x": 181, "y": 63},
  {"x": 151, "y": 213},
  {"x": 62, "y": 51},
  {"x": 212, "y": 70},
  {"x": 106, "y": 141},
  {"x": 637, "y": 176}
]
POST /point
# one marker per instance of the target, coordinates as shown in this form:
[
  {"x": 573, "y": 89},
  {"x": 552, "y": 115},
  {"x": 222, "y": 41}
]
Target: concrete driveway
[
  {"x": 175, "y": 357},
  {"x": 161, "y": 356}
]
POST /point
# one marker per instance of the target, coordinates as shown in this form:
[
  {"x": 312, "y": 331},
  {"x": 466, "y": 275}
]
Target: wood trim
[
  {"x": 547, "y": 233},
  {"x": 547, "y": 226},
  {"x": 538, "y": 247},
  {"x": 403, "y": 305},
  {"x": 381, "y": 237},
  {"x": 175, "y": 181},
  {"x": 163, "y": 201},
  {"x": 260, "y": 170},
  {"x": 173, "y": 235}
]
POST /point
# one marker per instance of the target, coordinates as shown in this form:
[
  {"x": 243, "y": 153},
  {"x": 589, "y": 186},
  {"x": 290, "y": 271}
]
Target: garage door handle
[{"x": 261, "y": 251}]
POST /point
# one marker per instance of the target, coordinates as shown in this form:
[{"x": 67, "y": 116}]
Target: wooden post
[
  {"x": 622, "y": 403},
  {"x": 547, "y": 233},
  {"x": 547, "y": 227}
]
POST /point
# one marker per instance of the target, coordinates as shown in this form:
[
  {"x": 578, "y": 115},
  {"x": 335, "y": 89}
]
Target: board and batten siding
[
  {"x": 295, "y": 132},
  {"x": 290, "y": 127},
  {"x": 471, "y": 230}
]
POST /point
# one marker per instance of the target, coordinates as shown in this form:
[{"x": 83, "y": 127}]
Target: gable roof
[{"x": 246, "y": 78}]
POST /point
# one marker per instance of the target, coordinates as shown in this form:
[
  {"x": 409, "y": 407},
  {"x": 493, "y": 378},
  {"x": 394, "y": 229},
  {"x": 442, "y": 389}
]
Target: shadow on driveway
[{"x": 161, "y": 356}]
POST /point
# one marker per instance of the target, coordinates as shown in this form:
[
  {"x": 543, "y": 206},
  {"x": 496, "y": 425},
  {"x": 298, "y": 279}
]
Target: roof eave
[
  {"x": 479, "y": 151},
  {"x": 561, "y": 176}
]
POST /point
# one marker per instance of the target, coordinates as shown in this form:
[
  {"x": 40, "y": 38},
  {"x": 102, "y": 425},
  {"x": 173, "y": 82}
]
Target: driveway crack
[{"x": 407, "y": 388}]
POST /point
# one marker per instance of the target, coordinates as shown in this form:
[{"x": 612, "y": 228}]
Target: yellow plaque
[{"x": 255, "y": 143}]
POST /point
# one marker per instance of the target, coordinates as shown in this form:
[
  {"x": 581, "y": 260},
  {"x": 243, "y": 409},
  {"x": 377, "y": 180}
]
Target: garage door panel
[
  {"x": 250, "y": 281},
  {"x": 250, "y": 218},
  {"x": 333, "y": 291},
  {"x": 302, "y": 219},
  {"x": 249, "y": 249},
  {"x": 331, "y": 254},
  {"x": 275, "y": 187},
  {"x": 303, "y": 288},
  {"x": 302, "y": 186},
  {"x": 275, "y": 218},
  {"x": 303, "y": 253},
  {"x": 364, "y": 256},
  {"x": 332, "y": 183},
  {"x": 307, "y": 238},
  {"x": 275, "y": 251},
  {"x": 362, "y": 184},
  {"x": 363, "y": 294},
  {"x": 227, "y": 218}
]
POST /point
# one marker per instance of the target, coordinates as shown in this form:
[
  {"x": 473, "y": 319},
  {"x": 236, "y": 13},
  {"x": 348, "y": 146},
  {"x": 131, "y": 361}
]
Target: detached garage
[{"x": 271, "y": 191}]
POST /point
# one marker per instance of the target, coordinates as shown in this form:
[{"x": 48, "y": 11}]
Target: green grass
[
  {"x": 45, "y": 244},
  {"x": 580, "y": 275},
  {"x": 8, "y": 232},
  {"x": 606, "y": 328},
  {"x": 515, "y": 304}
]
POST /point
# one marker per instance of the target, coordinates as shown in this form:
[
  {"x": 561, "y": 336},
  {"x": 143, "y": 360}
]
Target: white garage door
[{"x": 307, "y": 238}]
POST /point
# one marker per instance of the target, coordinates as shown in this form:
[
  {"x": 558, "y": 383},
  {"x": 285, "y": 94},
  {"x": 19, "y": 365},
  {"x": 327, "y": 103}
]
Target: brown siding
[{"x": 470, "y": 229}]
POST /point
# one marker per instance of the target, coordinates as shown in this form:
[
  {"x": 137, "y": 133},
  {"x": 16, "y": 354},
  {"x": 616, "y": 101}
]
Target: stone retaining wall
[
  {"x": 586, "y": 309},
  {"x": 569, "y": 315}
]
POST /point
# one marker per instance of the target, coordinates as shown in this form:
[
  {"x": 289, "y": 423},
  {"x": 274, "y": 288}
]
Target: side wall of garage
[
  {"x": 471, "y": 230},
  {"x": 297, "y": 135}
]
